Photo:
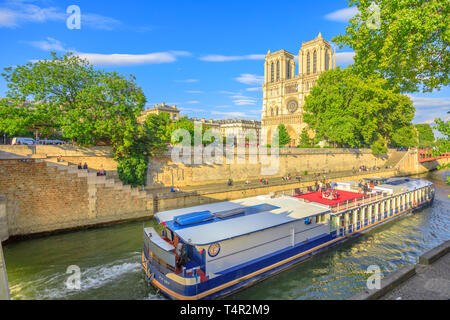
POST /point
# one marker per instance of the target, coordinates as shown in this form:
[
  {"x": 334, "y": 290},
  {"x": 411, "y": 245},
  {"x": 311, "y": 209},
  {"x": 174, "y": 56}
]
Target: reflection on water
[{"x": 109, "y": 260}]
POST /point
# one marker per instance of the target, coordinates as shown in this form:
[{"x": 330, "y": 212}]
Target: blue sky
[{"x": 207, "y": 57}]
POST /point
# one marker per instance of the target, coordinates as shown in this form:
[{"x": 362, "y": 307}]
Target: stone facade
[
  {"x": 173, "y": 112},
  {"x": 284, "y": 92}
]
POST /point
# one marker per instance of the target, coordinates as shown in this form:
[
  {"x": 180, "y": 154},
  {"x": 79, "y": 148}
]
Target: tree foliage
[
  {"x": 345, "y": 109},
  {"x": 442, "y": 142},
  {"x": 305, "y": 140},
  {"x": 281, "y": 136},
  {"x": 405, "y": 137},
  {"x": 426, "y": 135},
  {"x": 86, "y": 105},
  {"x": 409, "y": 45}
]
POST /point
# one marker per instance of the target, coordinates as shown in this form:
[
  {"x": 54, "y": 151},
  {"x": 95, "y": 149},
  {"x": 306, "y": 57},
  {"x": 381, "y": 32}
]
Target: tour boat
[{"x": 212, "y": 250}]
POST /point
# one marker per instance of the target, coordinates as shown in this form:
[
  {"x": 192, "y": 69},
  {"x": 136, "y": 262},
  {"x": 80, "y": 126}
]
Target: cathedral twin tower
[{"x": 284, "y": 92}]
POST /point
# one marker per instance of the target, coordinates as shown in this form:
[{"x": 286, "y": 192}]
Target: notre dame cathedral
[{"x": 284, "y": 92}]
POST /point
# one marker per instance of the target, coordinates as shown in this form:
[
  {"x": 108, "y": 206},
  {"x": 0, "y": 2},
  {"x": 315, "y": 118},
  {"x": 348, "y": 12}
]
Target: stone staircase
[
  {"x": 111, "y": 180},
  {"x": 395, "y": 158}
]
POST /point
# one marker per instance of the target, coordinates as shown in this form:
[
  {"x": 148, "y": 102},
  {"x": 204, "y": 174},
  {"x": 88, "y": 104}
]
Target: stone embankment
[
  {"x": 38, "y": 194},
  {"x": 43, "y": 196}
]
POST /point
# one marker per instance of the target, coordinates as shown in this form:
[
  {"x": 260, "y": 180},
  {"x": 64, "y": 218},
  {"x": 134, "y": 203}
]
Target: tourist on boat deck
[{"x": 172, "y": 189}]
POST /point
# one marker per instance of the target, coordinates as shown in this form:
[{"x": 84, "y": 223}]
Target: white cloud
[
  {"x": 97, "y": 21},
  {"x": 254, "y": 89},
  {"x": 191, "y": 109},
  {"x": 344, "y": 58},
  {"x": 430, "y": 102},
  {"x": 115, "y": 59},
  {"x": 193, "y": 91},
  {"x": 187, "y": 80},
  {"x": 235, "y": 114},
  {"x": 221, "y": 58},
  {"x": 227, "y": 92},
  {"x": 241, "y": 100},
  {"x": 244, "y": 102},
  {"x": 118, "y": 59},
  {"x": 15, "y": 13},
  {"x": 342, "y": 15},
  {"x": 48, "y": 45},
  {"x": 193, "y": 102},
  {"x": 250, "y": 79}
]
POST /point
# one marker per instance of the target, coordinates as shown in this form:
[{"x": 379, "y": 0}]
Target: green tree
[
  {"x": 282, "y": 136},
  {"x": 409, "y": 45},
  {"x": 305, "y": 140},
  {"x": 405, "y": 137},
  {"x": 350, "y": 111},
  {"x": 87, "y": 105},
  {"x": 443, "y": 141},
  {"x": 426, "y": 135}
]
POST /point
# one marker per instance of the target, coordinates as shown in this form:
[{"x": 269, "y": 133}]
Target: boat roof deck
[
  {"x": 342, "y": 196},
  {"x": 279, "y": 211}
]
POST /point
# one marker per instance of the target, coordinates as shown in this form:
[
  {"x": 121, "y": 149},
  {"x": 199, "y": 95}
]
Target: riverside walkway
[{"x": 309, "y": 179}]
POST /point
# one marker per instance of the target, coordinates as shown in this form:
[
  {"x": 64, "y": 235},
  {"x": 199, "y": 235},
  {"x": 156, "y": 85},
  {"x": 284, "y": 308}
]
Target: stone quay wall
[
  {"x": 294, "y": 161},
  {"x": 44, "y": 198}
]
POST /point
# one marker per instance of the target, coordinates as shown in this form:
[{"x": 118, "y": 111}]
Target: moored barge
[{"x": 212, "y": 250}]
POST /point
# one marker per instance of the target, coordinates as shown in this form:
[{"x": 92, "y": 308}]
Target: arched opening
[
  {"x": 278, "y": 70},
  {"x": 271, "y": 73},
  {"x": 308, "y": 63},
  {"x": 315, "y": 62}
]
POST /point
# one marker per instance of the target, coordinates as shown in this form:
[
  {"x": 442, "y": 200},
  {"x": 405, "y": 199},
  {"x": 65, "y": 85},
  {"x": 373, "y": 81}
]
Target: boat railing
[{"x": 357, "y": 202}]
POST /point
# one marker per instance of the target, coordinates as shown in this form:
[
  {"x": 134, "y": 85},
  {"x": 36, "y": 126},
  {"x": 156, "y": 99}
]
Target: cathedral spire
[{"x": 320, "y": 35}]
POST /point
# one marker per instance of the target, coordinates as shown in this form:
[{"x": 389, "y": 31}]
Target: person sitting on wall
[
  {"x": 172, "y": 189},
  {"x": 177, "y": 189},
  {"x": 98, "y": 173},
  {"x": 85, "y": 166},
  {"x": 103, "y": 173},
  {"x": 80, "y": 166}
]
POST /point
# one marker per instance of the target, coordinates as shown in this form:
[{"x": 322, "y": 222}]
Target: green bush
[{"x": 132, "y": 170}]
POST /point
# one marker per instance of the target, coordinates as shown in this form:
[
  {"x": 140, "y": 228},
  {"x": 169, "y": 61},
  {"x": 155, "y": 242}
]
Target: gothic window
[
  {"x": 315, "y": 62},
  {"x": 278, "y": 70},
  {"x": 308, "y": 63},
  {"x": 288, "y": 70},
  {"x": 327, "y": 60},
  {"x": 271, "y": 73},
  {"x": 271, "y": 112}
]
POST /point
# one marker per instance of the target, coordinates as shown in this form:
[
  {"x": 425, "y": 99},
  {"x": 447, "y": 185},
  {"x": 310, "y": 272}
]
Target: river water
[{"x": 109, "y": 260}]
